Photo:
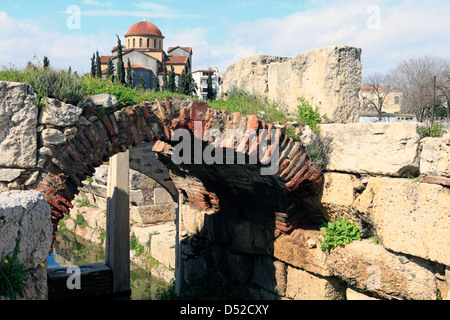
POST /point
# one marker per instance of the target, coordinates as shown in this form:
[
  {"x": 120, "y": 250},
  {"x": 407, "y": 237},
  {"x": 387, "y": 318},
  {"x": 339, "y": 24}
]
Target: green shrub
[
  {"x": 80, "y": 221},
  {"x": 435, "y": 131},
  {"x": 240, "y": 101},
  {"x": 306, "y": 115},
  {"x": 338, "y": 233},
  {"x": 136, "y": 245},
  {"x": 12, "y": 275}
]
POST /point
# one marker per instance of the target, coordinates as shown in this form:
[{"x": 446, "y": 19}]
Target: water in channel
[{"x": 70, "y": 249}]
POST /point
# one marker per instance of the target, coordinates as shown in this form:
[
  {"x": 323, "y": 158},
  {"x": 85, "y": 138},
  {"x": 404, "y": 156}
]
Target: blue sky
[{"x": 222, "y": 32}]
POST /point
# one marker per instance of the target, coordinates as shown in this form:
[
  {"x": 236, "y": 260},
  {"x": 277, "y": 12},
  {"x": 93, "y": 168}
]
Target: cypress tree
[
  {"x": 210, "y": 92},
  {"x": 165, "y": 80},
  {"x": 182, "y": 83},
  {"x": 129, "y": 74},
  {"x": 93, "y": 67},
  {"x": 172, "y": 84},
  {"x": 156, "y": 85},
  {"x": 110, "y": 70},
  {"x": 191, "y": 84},
  {"x": 120, "y": 64},
  {"x": 98, "y": 68},
  {"x": 46, "y": 63}
]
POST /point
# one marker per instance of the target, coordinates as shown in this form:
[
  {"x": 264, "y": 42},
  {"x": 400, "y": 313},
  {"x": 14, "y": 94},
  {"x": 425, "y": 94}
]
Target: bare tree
[
  {"x": 377, "y": 88},
  {"x": 414, "y": 77}
]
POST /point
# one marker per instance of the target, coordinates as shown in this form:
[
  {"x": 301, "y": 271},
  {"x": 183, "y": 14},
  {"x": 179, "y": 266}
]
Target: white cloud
[
  {"x": 107, "y": 4},
  {"x": 21, "y": 41},
  {"x": 148, "y": 9},
  {"x": 408, "y": 28}
]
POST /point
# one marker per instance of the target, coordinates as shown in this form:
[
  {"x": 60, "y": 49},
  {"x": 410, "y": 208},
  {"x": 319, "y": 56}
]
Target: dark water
[{"x": 70, "y": 249}]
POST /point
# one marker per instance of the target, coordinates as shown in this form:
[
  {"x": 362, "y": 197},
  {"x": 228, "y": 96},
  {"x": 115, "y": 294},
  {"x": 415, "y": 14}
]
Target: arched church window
[
  {"x": 134, "y": 43},
  {"x": 148, "y": 43},
  {"x": 154, "y": 43},
  {"x": 140, "y": 42}
]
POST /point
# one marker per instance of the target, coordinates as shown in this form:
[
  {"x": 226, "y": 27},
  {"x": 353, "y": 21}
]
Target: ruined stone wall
[
  {"x": 250, "y": 229},
  {"x": 329, "y": 78},
  {"x": 393, "y": 185}
]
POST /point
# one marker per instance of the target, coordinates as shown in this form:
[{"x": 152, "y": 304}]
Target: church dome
[{"x": 144, "y": 28}]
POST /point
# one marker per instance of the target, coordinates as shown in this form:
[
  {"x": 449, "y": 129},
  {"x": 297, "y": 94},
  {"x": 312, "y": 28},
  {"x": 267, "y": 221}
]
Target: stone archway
[{"x": 68, "y": 164}]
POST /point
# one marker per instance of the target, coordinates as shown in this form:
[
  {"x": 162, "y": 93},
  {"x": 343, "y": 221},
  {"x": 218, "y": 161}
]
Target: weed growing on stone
[
  {"x": 12, "y": 275},
  {"x": 239, "y": 100},
  {"x": 306, "y": 115},
  {"x": 338, "y": 233}
]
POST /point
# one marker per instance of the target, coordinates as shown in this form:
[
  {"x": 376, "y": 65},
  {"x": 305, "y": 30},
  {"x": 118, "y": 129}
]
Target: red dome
[{"x": 144, "y": 28}]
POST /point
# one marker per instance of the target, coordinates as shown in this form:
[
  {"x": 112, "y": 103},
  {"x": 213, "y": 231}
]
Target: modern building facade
[
  {"x": 144, "y": 48},
  {"x": 201, "y": 77}
]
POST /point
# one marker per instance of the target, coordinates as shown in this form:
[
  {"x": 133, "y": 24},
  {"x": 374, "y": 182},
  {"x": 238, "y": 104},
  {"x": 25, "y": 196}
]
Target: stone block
[
  {"x": 152, "y": 213},
  {"x": 382, "y": 148},
  {"x": 302, "y": 285},
  {"x": 18, "y": 122},
  {"x": 8, "y": 175},
  {"x": 408, "y": 216},
  {"x": 369, "y": 266},
  {"x": 298, "y": 254},
  {"x": 25, "y": 215},
  {"x": 59, "y": 113},
  {"x": 328, "y": 78},
  {"x": 435, "y": 156}
]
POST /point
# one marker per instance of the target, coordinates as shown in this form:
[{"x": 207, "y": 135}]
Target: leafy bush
[
  {"x": 435, "y": 131},
  {"x": 306, "y": 115},
  {"x": 338, "y": 233},
  {"x": 80, "y": 221},
  {"x": 12, "y": 275},
  {"x": 240, "y": 101}
]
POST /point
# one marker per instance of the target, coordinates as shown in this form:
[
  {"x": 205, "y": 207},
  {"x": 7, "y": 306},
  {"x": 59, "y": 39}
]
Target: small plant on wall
[{"x": 338, "y": 233}]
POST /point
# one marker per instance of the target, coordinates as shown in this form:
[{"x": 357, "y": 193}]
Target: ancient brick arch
[{"x": 212, "y": 187}]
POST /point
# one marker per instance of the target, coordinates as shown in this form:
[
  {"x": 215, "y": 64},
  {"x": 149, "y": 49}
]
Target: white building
[{"x": 201, "y": 78}]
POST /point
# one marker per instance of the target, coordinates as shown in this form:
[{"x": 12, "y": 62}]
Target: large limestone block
[
  {"x": 435, "y": 156},
  {"x": 329, "y": 78},
  {"x": 25, "y": 215},
  {"x": 59, "y": 113},
  {"x": 295, "y": 251},
  {"x": 302, "y": 285},
  {"x": 18, "y": 121},
  {"x": 337, "y": 196},
  {"x": 408, "y": 216},
  {"x": 369, "y": 266},
  {"x": 372, "y": 148},
  {"x": 250, "y": 73}
]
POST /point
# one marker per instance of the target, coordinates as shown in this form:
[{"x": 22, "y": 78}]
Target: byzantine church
[{"x": 143, "y": 46}]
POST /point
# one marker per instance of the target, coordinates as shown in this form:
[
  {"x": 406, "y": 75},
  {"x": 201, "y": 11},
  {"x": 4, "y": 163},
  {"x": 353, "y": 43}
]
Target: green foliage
[
  {"x": 210, "y": 92},
  {"x": 136, "y": 245},
  {"x": 306, "y": 115},
  {"x": 290, "y": 131},
  {"x": 241, "y": 101},
  {"x": 435, "y": 131},
  {"x": 129, "y": 74},
  {"x": 338, "y": 233},
  {"x": 172, "y": 86},
  {"x": 80, "y": 221},
  {"x": 83, "y": 203},
  {"x": 12, "y": 275},
  {"x": 98, "y": 66},
  {"x": 120, "y": 64},
  {"x": 47, "y": 82}
]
